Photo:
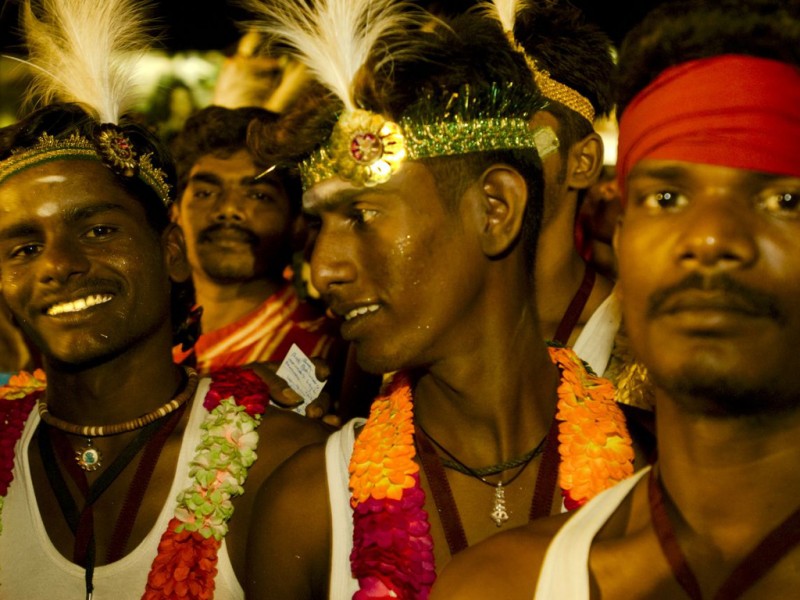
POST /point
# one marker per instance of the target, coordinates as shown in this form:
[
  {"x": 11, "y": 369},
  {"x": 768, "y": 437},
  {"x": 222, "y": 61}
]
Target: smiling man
[
  {"x": 120, "y": 470},
  {"x": 709, "y": 251},
  {"x": 240, "y": 230}
]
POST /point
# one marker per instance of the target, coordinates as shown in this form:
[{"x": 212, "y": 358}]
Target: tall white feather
[
  {"x": 334, "y": 37},
  {"x": 85, "y": 51},
  {"x": 506, "y": 11}
]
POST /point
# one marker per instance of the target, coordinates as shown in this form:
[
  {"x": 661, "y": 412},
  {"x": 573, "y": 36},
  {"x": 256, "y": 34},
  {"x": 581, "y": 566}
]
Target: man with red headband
[{"x": 709, "y": 251}]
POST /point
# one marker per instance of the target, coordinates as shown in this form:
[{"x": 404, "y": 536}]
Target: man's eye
[
  {"x": 664, "y": 200},
  {"x": 781, "y": 202},
  {"x": 261, "y": 195},
  {"x": 25, "y": 251},
  {"x": 363, "y": 216},
  {"x": 201, "y": 194},
  {"x": 100, "y": 231}
]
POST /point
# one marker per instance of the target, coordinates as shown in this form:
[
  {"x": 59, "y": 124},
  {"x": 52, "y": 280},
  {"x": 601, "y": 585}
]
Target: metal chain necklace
[{"x": 499, "y": 513}]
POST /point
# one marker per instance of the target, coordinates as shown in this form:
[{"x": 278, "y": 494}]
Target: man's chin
[
  {"x": 725, "y": 395},
  {"x": 229, "y": 272}
]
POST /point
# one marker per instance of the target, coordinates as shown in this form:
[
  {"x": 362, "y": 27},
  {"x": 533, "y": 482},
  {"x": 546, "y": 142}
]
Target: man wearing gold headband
[
  {"x": 423, "y": 173},
  {"x": 572, "y": 63},
  {"x": 709, "y": 255},
  {"x": 119, "y": 470}
]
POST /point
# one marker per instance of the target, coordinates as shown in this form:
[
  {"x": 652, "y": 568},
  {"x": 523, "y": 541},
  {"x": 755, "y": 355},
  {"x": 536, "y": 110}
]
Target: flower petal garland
[
  {"x": 186, "y": 563},
  {"x": 595, "y": 447},
  {"x": 392, "y": 554},
  {"x": 17, "y": 399}
]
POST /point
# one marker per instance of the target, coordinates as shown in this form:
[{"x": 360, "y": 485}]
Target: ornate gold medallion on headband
[
  {"x": 116, "y": 150},
  {"x": 366, "y": 148}
]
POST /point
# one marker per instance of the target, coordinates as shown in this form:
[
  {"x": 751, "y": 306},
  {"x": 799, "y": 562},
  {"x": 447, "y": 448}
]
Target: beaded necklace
[
  {"x": 392, "y": 546},
  {"x": 186, "y": 563}
]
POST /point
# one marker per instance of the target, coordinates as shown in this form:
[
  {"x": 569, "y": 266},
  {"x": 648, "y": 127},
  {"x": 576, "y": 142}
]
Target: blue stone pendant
[{"x": 88, "y": 457}]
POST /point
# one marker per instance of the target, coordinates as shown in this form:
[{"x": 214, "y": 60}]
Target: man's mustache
[
  {"x": 737, "y": 296},
  {"x": 247, "y": 235}
]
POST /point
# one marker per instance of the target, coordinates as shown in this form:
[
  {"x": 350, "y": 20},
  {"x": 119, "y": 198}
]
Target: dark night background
[{"x": 211, "y": 24}]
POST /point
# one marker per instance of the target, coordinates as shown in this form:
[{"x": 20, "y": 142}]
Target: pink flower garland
[{"x": 392, "y": 554}]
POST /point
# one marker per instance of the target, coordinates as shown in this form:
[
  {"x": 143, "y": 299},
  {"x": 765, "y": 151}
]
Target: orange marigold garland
[
  {"x": 595, "y": 447},
  {"x": 392, "y": 554}
]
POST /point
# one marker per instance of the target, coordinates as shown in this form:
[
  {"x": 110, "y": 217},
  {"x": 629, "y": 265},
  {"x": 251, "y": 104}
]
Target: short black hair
[
  {"x": 221, "y": 131},
  {"x": 684, "y": 30}
]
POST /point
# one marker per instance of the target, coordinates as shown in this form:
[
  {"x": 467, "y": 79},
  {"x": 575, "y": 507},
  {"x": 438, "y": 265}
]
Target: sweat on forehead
[{"x": 732, "y": 110}]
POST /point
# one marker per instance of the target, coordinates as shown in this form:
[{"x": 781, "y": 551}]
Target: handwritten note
[{"x": 298, "y": 371}]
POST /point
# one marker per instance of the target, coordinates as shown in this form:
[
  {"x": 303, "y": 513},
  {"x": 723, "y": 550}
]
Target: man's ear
[
  {"x": 585, "y": 162},
  {"x": 175, "y": 254},
  {"x": 503, "y": 201},
  {"x": 174, "y": 212}
]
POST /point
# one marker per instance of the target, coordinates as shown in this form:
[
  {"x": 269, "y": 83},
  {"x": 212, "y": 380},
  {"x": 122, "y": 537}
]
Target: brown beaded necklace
[{"x": 90, "y": 458}]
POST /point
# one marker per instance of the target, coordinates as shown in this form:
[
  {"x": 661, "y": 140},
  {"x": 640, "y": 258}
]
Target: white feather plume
[
  {"x": 506, "y": 11},
  {"x": 85, "y": 51},
  {"x": 333, "y": 37}
]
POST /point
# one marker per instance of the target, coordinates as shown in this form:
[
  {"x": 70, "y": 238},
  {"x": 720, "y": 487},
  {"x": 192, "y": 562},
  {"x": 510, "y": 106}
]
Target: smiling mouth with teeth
[
  {"x": 78, "y": 305},
  {"x": 361, "y": 310}
]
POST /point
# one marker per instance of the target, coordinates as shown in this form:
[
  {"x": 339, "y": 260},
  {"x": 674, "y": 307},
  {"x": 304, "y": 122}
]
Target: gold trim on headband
[
  {"x": 367, "y": 149},
  {"x": 563, "y": 94},
  {"x": 552, "y": 89},
  {"x": 112, "y": 148}
]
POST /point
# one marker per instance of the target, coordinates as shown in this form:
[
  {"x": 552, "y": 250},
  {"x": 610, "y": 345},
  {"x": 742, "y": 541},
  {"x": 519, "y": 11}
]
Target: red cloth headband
[{"x": 731, "y": 110}]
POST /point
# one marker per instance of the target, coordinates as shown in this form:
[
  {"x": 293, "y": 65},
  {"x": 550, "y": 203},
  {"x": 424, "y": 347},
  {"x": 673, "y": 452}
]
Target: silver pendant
[
  {"x": 88, "y": 457},
  {"x": 499, "y": 514}
]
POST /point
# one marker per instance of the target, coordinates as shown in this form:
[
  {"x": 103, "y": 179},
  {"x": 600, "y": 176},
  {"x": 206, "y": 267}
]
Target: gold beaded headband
[
  {"x": 110, "y": 146},
  {"x": 367, "y": 149},
  {"x": 563, "y": 94},
  {"x": 505, "y": 11},
  {"x": 555, "y": 90},
  {"x": 71, "y": 64}
]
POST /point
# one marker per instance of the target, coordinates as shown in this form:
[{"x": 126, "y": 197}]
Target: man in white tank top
[
  {"x": 120, "y": 471},
  {"x": 709, "y": 251}
]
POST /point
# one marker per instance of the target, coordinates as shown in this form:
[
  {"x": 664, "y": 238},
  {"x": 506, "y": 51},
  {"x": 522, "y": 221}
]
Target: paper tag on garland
[{"x": 299, "y": 372}]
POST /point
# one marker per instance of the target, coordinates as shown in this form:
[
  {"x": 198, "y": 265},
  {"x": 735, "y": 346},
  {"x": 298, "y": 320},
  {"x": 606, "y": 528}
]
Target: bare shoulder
[
  {"x": 288, "y": 548},
  {"x": 281, "y": 435},
  {"x": 505, "y": 565}
]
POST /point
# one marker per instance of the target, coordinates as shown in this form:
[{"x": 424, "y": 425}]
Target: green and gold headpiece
[
  {"x": 335, "y": 39},
  {"x": 109, "y": 146},
  {"x": 367, "y": 148}
]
